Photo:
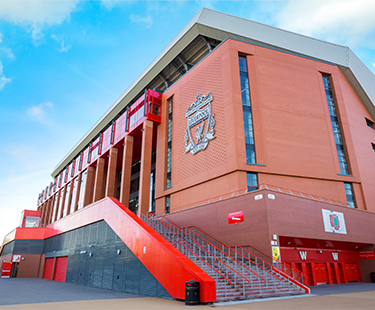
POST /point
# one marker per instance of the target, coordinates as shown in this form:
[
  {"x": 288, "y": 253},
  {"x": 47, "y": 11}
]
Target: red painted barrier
[{"x": 168, "y": 265}]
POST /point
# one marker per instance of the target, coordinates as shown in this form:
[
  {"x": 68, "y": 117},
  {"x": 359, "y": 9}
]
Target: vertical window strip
[
  {"x": 247, "y": 114},
  {"x": 335, "y": 125},
  {"x": 168, "y": 204},
  {"x": 73, "y": 195},
  {"x": 82, "y": 186},
  {"x": 169, "y": 148},
  {"x": 66, "y": 202},
  {"x": 349, "y": 195},
  {"x": 252, "y": 181}
]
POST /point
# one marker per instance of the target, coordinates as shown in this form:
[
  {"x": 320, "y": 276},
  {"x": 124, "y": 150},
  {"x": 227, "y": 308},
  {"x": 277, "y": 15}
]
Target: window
[
  {"x": 66, "y": 202},
  {"x": 349, "y": 195},
  {"x": 73, "y": 195},
  {"x": 252, "y": 181},
  {"x": 335, "y": 125},
  {"x": 168, "y": 204},
  {"x": 60, "y": 203},
  {"x": 247, "y": 114},
  {"x": 169, "y": 148},
  {"x": 54, "y": 207},
  {"x": 370, "y": 123},
  {"x": 82, "y": 187}
]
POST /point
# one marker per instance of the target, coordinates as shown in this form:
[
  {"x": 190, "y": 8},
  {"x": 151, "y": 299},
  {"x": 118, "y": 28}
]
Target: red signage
[
  {"x": 366, "y": 255},
  {"x": 7, "y": 269},
  {"x": 235, "y": 217}
]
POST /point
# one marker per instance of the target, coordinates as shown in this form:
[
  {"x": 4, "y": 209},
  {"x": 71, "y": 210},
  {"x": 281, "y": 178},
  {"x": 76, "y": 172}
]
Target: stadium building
[{"x": 241, "y": 158}]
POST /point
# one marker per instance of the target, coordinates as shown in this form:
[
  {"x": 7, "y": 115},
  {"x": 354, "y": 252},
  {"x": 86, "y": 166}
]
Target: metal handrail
[
  {"x": 270, "y": 265},
  {"x": 228, "y": 255},
  {"x": 213, "y": 256},
  {"x": 302, "y": 274},
  {"x": 205, "y": 262}
]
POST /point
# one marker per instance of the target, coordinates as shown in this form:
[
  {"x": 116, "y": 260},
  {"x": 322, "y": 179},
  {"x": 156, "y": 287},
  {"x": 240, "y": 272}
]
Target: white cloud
[
  {"x": 60, "y": 40},
  {"x": 3, "y": 79},
  {"x": 136, "y": 19},
  {"x": 39, "y": 112},
  {"x": 7, "y": 52},
  {"x": 339, "y": 21},
  {"x": 37, "y": 13}
]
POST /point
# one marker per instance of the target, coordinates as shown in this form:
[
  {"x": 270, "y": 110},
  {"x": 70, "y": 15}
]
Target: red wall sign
[
  {"x": 235, "y": 217},
  {"x": 366, "y": 255},
  {"x": 7, "y": 268}
]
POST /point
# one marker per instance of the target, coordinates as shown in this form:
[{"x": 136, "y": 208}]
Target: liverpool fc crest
[{"x": 197, "y": 113}]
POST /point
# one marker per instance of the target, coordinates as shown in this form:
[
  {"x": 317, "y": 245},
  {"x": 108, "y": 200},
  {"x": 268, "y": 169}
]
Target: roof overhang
[{"x": 220, "y": 26}]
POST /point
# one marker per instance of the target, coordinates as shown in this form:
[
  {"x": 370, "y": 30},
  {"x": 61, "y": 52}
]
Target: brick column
[
  {"x": 144, "y": 180},
  {"x": 90, "y": 179},
  {"x": 127, "y": 159},
  {"x": 99, "y": 180},
  {"x": 78, "y": 179},
  {"x": 110, "y": 189}
]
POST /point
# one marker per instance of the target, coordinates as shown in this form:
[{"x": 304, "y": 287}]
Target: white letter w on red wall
[{"x": 303, "y": 255}]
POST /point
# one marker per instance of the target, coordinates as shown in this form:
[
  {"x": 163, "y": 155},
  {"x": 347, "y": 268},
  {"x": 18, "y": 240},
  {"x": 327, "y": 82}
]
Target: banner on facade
[
  {"x": 275, "y": 253},
  {"x": 334, "y": 222}
]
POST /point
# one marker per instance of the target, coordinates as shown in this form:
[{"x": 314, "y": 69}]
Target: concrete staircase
[{"x": 237, "y": 276}]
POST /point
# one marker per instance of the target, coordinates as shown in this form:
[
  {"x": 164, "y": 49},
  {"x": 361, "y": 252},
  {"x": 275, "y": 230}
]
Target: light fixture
[
  {"x": 326, "y": 245},
  {"x": 118, "y": 252},
  {"x": 91, "y": 254},
  {"x": 288, "y": 242}
]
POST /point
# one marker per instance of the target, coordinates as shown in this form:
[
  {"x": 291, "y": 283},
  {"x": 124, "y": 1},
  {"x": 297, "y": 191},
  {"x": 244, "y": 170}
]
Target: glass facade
[
  {"x": 82, "y": 187},
  {"x": 62, "y": 192},
  {"x": 73, "y": 195},
  {"x": 168, "y": 204},
  {"x": 169, "y": 149},
  {"x": 66, "y": 202},
  {"x": 54, "y": 207},
  {"x": 247, "y": 114},
  {"x": 252, "y": 181},
  {"x": 349, "y": 195},
  {"x": 335, "y": 125}
]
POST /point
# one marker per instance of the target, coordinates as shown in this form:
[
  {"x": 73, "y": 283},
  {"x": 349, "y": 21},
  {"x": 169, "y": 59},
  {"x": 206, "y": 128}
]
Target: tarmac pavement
[{"x": 31, "y": 293}]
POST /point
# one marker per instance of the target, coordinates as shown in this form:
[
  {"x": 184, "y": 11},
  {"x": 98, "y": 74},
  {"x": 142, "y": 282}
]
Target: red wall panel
[
  {"x": 48, "y": 268},
  {"x": 60, "y": 269}
]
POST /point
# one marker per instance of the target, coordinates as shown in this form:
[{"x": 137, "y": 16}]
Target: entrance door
[
  {"x": 351, "y": 272},
  {"x": 321, "y": 274},
  {"x": 48, "y": 268},
  {"x": 60, "y": 268}
]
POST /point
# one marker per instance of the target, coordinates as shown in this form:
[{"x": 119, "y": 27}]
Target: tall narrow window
[
  {"x": 66, "y": 203},
  {"x": 349, "y": 195},
  {"x": 73, "y": 195},
  {"x": 169, "y": 149},
  {"x": 246, "y": 108},
  {"x": 82, "y": 187},
  {"x": 62, "y": 192},
  {"x": 252, "y": 181},
  {"x": 54, "y": 207},
  {"x": 335, "y": 125},
  {"x": 168, "y": 204}
]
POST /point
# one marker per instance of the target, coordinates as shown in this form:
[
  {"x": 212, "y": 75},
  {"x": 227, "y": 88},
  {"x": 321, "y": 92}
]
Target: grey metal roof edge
[{"x": 217, "y": 24}]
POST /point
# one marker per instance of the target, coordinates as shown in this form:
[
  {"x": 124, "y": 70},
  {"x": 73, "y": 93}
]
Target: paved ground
[{"x": 39, "y": 294}]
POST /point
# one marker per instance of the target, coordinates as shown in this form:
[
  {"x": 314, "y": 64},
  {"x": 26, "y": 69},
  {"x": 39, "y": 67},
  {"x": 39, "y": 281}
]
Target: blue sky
[{"x": 63, "y": 63}]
